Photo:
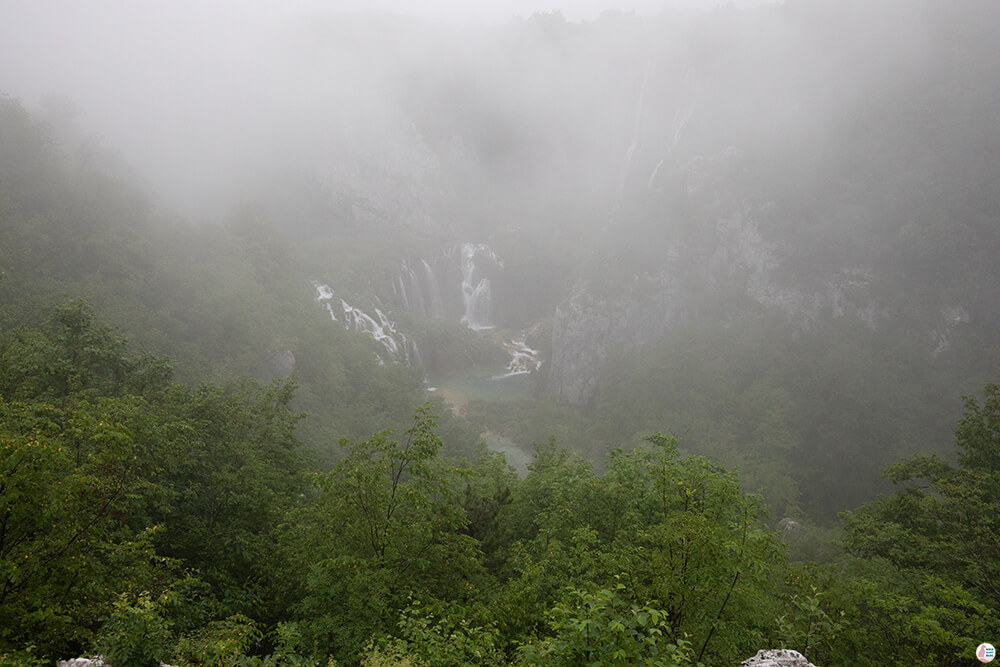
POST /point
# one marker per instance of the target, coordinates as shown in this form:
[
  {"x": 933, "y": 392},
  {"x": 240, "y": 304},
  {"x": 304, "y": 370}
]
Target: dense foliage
[
  {"x": 150, "y": 520},
  {"x": 142, "y": 516},
  {"x": 191, "y": 504}
]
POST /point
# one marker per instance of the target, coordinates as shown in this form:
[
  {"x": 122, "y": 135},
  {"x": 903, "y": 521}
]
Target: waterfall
[
  {"x": 409, "y": 289},
  {"x": 395, "y": 344},
  {"x": 638, "y": 122},
  {"x": 523, "y": 359},
  {"x": 325, "y": 295},
  {"x": 417, "y": 288},
  {"x": 413, "y": 356},
  {"x": 476, "y": 294},
  {"x": 399, "y": 289},
  {"x": 682, "y": 114},
  {"x": 436, "y": 309}
]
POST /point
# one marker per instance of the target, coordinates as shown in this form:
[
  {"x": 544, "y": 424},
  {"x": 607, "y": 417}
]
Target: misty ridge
[{"x": 408, "y": 336}]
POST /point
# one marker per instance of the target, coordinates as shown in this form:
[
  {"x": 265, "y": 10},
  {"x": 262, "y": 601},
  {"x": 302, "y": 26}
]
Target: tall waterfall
[
  {"x": 638, "y": 123},
  {"x": 455, "y": 284},
  {"x": 476, "y": 294},
  {"x": 419, "y": 290},
  {"x": 434, "y": 306},
  {"x": 407, "y": 288}
]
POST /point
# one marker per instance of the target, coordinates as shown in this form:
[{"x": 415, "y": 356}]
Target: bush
[{"x": 136, "y": 635}]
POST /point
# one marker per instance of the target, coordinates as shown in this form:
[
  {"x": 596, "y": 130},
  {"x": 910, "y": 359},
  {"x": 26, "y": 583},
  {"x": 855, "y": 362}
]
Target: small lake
[{"x": 489, "y": 382}]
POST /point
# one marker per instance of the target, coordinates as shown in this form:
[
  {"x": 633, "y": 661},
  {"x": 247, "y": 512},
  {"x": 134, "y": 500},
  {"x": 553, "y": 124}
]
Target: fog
[
  {"x": 201, "y": 98},
  {"x": 810, "y": 182}
]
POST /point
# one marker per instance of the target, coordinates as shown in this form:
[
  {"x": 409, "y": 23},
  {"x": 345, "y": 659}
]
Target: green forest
[
  {"x": 754, "y": 252},
  {"x": 191, "y": 505},
  {"x": 150, "y": 520}
]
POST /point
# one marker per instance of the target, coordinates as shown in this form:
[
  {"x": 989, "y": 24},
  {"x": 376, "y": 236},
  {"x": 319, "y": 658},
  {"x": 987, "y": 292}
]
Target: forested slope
[
  {"x": 194, "y": 462},
  {"x": 221, "y": 300},
  {"x": 150, "y": 520}
]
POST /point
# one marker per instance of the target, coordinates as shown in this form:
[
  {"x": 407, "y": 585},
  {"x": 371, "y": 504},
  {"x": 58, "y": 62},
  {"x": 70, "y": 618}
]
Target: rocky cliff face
[
  {"x": 789, "y": 191},
  {"x": 714, "y": 245},
  {"x": 719, "y": 252},
  {"x": 588, "y": 327}
]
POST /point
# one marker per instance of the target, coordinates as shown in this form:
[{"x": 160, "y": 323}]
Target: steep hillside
[
  {"x": 223, "y": 301},
  {"x": 585, "y": 204},
  {"x": 810, "y": 187}
]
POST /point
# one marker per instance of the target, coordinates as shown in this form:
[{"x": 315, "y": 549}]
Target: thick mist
[
  {"x": 449, "y": 333},
  {"x": 806, "y": 182},
  {"x": 211, "y": 102}
]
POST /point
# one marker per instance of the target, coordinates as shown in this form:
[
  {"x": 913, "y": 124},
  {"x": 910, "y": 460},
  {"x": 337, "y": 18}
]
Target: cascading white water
[
  {"x": 415, "y": 295},
  {"x": 397, "y": 345},
  {"x": 682, "y": 114},
  {"x": 399, "y": 285},
  {"x": 325, "y": 296},
  {"x": 434, "y": 303},
  {"x": 413, "y": 352},
  {"x": 638, "y": 122},
  {"x": 523, "y": 359},
  {"x": 476, "y": 294},
  {"x": 418, "y": 289}
]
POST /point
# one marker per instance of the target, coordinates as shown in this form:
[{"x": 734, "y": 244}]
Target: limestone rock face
[
  {"x": 579, "y": 347},
  {"x": 282, "y": 363},
  {"x": 588, "y": 327},
  {"x": 716, "y": 250},
  {"x": 777, "y": 658}
]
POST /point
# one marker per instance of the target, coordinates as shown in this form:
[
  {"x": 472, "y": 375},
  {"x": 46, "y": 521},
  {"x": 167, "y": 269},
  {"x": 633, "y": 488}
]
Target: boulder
[{"x": 282, "y": 363}]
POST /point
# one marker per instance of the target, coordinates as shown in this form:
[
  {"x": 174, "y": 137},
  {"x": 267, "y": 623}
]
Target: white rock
[{"x": 777, "y": 658}]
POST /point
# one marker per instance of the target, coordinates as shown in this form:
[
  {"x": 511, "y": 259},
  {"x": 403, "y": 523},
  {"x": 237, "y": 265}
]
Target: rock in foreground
[{"x": 777, "y": 658}]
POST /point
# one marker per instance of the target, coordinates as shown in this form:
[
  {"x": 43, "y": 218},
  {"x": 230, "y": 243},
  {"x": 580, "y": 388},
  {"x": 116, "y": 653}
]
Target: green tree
[
  {"x": 112, "y": 480},
  {"x": 602, "y": 628},
  {"x": 928, "y": 557},
  {"x": 135, "y": 634},
  {"x": 387, "y": 524},
  {"x": 69, "y": 478},
  {"x": 227, "y": 468},
  {"x": 66, "y": 549},
  {"x": 673, "y": 529},
  {"x": 75, "y": 351}
]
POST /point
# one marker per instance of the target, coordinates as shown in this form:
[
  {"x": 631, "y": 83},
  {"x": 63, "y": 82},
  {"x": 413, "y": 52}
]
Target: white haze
[{"x": 203, "y": 98}]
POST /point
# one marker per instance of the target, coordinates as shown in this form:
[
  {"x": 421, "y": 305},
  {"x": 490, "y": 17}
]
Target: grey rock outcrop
[
  {"x": 777, "y": 658},
  {"x": 717, "y": 253},
  {"x": 589, "y": 326},
  {"x": 282, "y": 363},
  {"x": 580, "y": 336}
]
